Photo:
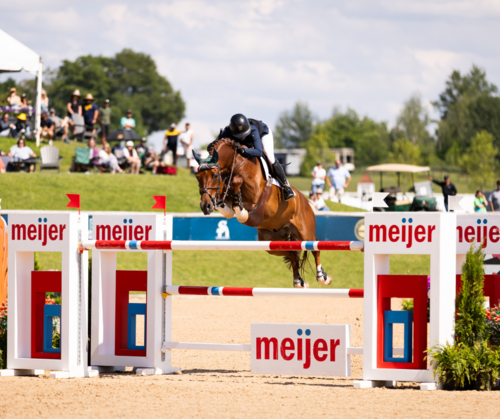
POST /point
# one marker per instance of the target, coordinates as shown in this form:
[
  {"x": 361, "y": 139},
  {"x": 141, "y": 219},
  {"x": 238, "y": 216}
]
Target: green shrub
[
  {"x": 493, "y": 323},
  {"x": 407, "y": 305}
]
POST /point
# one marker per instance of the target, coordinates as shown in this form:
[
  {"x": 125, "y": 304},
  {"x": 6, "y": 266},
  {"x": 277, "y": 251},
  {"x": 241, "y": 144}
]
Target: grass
[{"x": 105, "y": 192}]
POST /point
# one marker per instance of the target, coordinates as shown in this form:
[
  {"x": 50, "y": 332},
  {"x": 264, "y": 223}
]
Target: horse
[{"x": 236, "y": 186}]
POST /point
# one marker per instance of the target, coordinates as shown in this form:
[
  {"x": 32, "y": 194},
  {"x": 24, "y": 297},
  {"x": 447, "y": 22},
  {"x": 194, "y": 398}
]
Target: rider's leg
[{"x": 268, "y": 145}]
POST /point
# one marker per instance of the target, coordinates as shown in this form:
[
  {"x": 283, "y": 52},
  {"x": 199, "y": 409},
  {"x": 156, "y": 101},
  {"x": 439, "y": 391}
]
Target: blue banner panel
[{"x": 333, "y": 228}]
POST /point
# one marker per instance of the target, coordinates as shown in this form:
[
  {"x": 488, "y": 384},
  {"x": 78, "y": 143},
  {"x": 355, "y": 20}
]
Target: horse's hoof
[
  {"x": 298, "y": 282},
  {"x": 323, "y": 278}
]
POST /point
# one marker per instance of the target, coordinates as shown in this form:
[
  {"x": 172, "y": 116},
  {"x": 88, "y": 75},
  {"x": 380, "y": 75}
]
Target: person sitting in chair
[
  {"x": 22, "y": 153},
  {"x": 258, "y": 137}
]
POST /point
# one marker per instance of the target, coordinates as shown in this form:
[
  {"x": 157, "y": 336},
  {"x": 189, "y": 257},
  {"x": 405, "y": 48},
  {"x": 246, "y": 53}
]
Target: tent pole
[{"x": 38, "y": 106}]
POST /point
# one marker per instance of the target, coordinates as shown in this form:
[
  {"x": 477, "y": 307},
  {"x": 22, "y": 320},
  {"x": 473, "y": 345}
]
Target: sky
[{"x": 261, "y": 56}]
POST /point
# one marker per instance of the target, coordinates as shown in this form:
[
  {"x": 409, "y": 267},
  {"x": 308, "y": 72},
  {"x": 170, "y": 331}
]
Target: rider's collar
[{"x": 206, "y": 166}]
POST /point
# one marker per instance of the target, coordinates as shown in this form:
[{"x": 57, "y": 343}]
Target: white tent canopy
[{"x": 16, "y": 57}]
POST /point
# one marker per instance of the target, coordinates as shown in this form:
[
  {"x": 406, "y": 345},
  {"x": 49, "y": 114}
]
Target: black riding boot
[{"x": 288, "y": 192}]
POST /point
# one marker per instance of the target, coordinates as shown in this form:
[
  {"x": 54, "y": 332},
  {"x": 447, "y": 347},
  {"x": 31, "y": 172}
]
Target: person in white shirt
[
  {"x": 108, "y": 158},
  {"x": 319, "y": 175},
  {"x": 130, "y": 153},
  {"x": 187, "y": 143},
  {"x": 319, "y": 202},
  {"x": 338, "y": 179}
]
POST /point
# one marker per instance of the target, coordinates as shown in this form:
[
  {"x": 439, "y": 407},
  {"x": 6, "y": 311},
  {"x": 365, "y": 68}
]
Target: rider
[{"x": 258, "y": 135}]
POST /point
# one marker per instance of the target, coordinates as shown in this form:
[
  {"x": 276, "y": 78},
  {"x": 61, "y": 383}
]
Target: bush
[
  {"x": 493, "y": 324},
  {"x": 468, "y": 363},
  {"x": 3, "y": 335}
]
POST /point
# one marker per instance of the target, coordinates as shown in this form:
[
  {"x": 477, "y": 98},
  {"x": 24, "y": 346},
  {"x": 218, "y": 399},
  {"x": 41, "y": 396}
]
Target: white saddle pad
[{"x": 266, "y": 170}]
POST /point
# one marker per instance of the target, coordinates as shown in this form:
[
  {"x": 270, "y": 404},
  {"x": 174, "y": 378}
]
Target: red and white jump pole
[
  {"x": 219, "y": 245},
  {"x": 261, "y": 292}
]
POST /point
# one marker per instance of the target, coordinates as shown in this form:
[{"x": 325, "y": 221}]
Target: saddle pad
[{"x": 266, "y": 171}]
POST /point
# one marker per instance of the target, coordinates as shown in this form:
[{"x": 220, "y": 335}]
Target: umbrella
[{"x": 123, "y": 135}]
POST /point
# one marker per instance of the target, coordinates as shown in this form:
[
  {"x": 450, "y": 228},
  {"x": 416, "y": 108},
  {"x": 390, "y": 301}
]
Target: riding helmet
[{"x": 239, "y": 126}]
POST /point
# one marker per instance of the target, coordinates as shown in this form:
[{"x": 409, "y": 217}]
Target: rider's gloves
[{"x": 239, "y": 148}]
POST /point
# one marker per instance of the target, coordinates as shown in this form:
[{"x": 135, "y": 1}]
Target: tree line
[{"x": 467, "y": 137}]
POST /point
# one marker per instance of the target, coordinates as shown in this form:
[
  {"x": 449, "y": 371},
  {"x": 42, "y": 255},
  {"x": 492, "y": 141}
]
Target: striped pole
[
  {"x": 262, "y": 292},
  {"x": 221, "y": 245}
]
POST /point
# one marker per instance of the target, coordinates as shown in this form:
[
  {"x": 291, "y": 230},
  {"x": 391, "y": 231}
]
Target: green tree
[
  {"x": 468, "y": 105},
  {"x": 404, "y": 151},
  {"x": 294, "y": 128},
  {"x": 479, "y": 159},
  {"x": 129, "y": 79},
  {"x": 317, "y": 150},
  {"x": 412, "y": 123},
  {"x": 369, "y": 139}
]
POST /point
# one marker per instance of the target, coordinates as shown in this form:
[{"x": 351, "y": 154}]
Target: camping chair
[
  {"x": 50, "y": 158},
  {"x": 79, "y": 127}
]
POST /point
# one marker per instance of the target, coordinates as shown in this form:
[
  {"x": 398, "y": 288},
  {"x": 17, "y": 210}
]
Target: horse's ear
[
  {"x": 215, "y": 157},
  {"x": 196, "y": 157}
]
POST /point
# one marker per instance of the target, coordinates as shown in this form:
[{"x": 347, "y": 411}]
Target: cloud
[{"x": 260, "y": 56}]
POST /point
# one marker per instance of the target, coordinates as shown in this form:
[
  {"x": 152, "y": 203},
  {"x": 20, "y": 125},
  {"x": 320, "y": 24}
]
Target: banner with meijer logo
[{"x": 301, "y": 349}]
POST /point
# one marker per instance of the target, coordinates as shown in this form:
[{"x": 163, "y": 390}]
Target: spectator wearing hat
[
  {"x": 20, "y": 126},
  {"x": 90, "y": 112},
  {"x": 127, "y": 121},
  {"x": 447, "y": 187},
  {"x": 130, "y": 153},
  {"x": 74, "y": 106},
  {"x": 319, "y": 175},
  {"x": 14, "y": 100},
  {"x": 47, "y": 127},
  {"x": 105, "y": 120},
  {"x": 170, "y": 141}
]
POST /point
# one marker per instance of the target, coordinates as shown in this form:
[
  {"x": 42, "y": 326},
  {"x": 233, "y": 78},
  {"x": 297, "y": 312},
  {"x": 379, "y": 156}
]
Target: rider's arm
[{"x": 257, "y": 144}]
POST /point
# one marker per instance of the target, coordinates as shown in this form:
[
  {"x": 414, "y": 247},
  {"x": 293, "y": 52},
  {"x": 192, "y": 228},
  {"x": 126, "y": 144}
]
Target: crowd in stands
[{"x": 126, "y": 156}]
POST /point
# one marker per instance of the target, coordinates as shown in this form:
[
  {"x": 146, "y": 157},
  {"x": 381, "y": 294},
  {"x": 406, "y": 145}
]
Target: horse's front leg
[{"x": 237, "y": 204}]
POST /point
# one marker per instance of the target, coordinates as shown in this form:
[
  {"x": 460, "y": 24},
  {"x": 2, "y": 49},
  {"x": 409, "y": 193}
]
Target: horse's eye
[{"x": 216, "y": 176}]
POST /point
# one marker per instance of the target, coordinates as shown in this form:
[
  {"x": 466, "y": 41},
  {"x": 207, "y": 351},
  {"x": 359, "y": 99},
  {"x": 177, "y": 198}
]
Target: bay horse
[{"x": 235, "y": 186}]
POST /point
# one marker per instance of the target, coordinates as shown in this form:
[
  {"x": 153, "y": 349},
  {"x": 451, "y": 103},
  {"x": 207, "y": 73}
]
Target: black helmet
[{"x": 239, "y": 126}]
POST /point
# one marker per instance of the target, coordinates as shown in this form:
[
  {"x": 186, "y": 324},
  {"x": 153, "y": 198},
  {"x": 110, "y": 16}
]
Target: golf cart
[{"x": 423, "y": 200}]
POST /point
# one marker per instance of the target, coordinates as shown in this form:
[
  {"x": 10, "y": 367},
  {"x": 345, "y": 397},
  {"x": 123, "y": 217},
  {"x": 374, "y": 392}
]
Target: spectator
[
  {"x": 170, "y": 142},
  {"x": 90, "y": 113},
  {"x": 447, "y": 187},
  {"x": 14, "y": 100},
  {"x": 21, "y": 152},
  {"x": 6, "y": 126},
  {"x": 47, "y": 127},
  {"x": 480, "y": 203},
  {"x": 93, "y": 151},
  {"x": 45, "y": 101},
  {"x": 319, "y": 175},
  {"x": 132, "y": 157},
  {"x": 74, "y": 106},
  {"x": 25, "y": 103},
  {"x": 338, "y": 179},
  {"x": 495, "y": 199},
  {"x": 319, "y": 202},
  {"x": 61, "y": 125},
  {"x": 150, "y": 160},
  {"x": 128, "y": 122},
  {"x": 107, "y": 158},
  {"x": 19, "y": 127},
  {"x": 311, "y": 200},
  {"x": 105, "y": 120},
  {"x": 141, "y": 148},
  {"x": 187, "y": 138}
]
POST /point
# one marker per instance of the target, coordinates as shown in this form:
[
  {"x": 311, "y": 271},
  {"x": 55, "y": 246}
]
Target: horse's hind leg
[{"x": 291, "y": 258}]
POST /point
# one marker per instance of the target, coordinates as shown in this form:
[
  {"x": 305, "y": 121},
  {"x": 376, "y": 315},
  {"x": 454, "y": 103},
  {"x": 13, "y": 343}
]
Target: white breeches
[{"x": 268, "y": 145}]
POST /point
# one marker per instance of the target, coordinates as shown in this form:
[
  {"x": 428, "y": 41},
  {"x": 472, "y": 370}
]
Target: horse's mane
[{"x": 218, "y": 142}]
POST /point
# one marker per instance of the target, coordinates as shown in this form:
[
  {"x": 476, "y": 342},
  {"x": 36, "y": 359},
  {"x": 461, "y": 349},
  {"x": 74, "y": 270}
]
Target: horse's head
[{"x": 209, "y": 180}]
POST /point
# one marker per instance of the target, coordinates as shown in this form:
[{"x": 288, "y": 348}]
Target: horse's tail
[{"x": 303, "y": 262}]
